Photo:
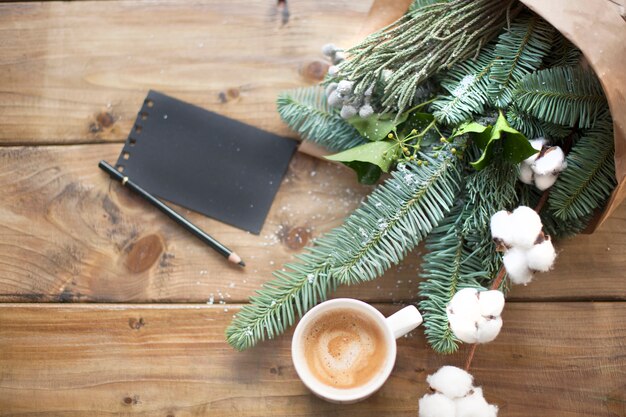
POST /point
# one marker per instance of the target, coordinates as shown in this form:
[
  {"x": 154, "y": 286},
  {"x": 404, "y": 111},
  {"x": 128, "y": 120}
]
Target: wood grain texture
[
  {"x": 69, "y": 233},
  {"x": 77, "y": 72},
  {"x": 554, "y": 359}
]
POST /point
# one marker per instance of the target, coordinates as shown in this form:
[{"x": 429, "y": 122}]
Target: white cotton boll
[
  {"x": 334, "y": 100},
  {"x": 488, "y": 329},
  {"x": 475, "y": 405},
  {"x": 538, "y": 143},
  {"x": 344, "y": 87},
  {"x": 347, "y": 112},
  {"x": 436, "y": 405},
  {"x": 366, "y": 111},
  {"x": 491, "y": 303},
  {"x": 329, "y": 49},
  {"x": 500, "y": 225},
  {"x": 451, "y": 381},
  {"x": 526, "y": 225},
  {"x": 541, "y": 256},
  {"x": 463, "y": 328},
  {"x": 333, "y": 70},
  {"x": 516, "y": 265},
  {"x": 526, "y": 173},
  {"x": 465, "y": 303},
  {"x": 551, "y": 162},
  {"x": 543, "y": 182}
]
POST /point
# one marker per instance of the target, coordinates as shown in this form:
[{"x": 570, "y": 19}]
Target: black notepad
[{"x": 208, "y": 163}]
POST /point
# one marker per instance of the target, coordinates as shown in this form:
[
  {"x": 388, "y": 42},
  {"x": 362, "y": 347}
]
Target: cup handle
[{"x": 404, "y": 321}]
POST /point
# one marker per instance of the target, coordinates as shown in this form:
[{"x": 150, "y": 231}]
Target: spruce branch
[
  {"x": 589, "y": 179},
  {"x": 430, "y": 39},
  {"x": 561, "y": 95},
  {"x": 306, "y": 111},
  {"x": 519, "y": 51},
  {"x": 532, "y": 127}
]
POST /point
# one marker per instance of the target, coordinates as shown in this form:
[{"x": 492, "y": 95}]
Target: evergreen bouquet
[{"x": 492, "y": 136}]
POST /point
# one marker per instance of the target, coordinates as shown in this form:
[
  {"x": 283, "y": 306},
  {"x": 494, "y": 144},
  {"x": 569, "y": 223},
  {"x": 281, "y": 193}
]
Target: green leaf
[
  {"x": 515, "y": 146},
  {"x": 366, "y": 172},
  {"x": 478, "y": 133},
  {"x": 377, "y": 126},
  {"x": 381, "y": 154}
]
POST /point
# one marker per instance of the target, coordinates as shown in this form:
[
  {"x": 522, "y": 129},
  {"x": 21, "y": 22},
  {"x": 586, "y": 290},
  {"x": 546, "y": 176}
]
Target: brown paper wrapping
[{"x": 597, "y": 27}]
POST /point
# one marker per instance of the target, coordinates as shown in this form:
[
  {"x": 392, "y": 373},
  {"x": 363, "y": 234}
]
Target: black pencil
[{"x": 221, "y": 249}]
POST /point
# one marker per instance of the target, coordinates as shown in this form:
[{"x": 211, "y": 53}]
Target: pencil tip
[{"x": 241, "y": 263}]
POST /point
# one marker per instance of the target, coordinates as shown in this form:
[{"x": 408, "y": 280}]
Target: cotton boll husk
[
  {"x": 541, "y": 256},
  {"x": 344, "y": 87},
  {"x": 347, "y": 112},
  {"x": 491, "y": 303},
  {"x": 526, "y": 173},
  {"x": 436, "y": 405},
  {"x": 451, "y": 381},
  {"x": 501, "y": 227},
  {"x": 516, "y": 265},
  {"x": 464, "y": 328},
  {"x": 475, "y": 405},
  {"x": 551, "y": 162},
  {"x": 543, "y": 182},
  {"x": 526, "y": 226},
  {"x": 488, "y": 329}
]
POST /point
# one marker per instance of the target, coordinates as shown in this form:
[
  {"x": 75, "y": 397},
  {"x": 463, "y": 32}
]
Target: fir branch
[
  {"x": 467, "y": 84},
  {"x": 519, "y": 51},
  {"x": 589, "y": 178},
  {"x": 300, "y": 286},
  {"x": 423, "y": 42},
  {"x": 417, "y": 4},
  {"x": 562, "y": 54},
  {"x": 532, "y": 127},
  {"x": 305, "y": 110},
  {"x": 561, "y": 95},
  {"x": 461, "y": 250},
  {"x": 396, "y": 217},
  {"x": 447, "y": 268}
]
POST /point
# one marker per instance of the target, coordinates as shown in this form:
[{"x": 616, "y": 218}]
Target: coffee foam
[{"x": 344, "y": 348}]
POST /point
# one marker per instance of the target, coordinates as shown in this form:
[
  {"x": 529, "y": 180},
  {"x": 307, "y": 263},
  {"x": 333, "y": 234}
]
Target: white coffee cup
[{"x": 392, "y": 327}]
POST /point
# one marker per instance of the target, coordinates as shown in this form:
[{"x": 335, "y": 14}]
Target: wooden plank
[
  {"x": 552, "y": 359},
  {"x": 67, "y": 233},
  {"x": 77, "y": 72}
]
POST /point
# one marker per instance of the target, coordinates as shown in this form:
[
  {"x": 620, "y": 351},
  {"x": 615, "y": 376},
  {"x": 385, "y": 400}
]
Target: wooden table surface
[{"x": 105, "y": 304}]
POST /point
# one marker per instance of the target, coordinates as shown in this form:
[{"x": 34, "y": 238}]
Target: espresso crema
[{"x": 344, "y": 348}]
